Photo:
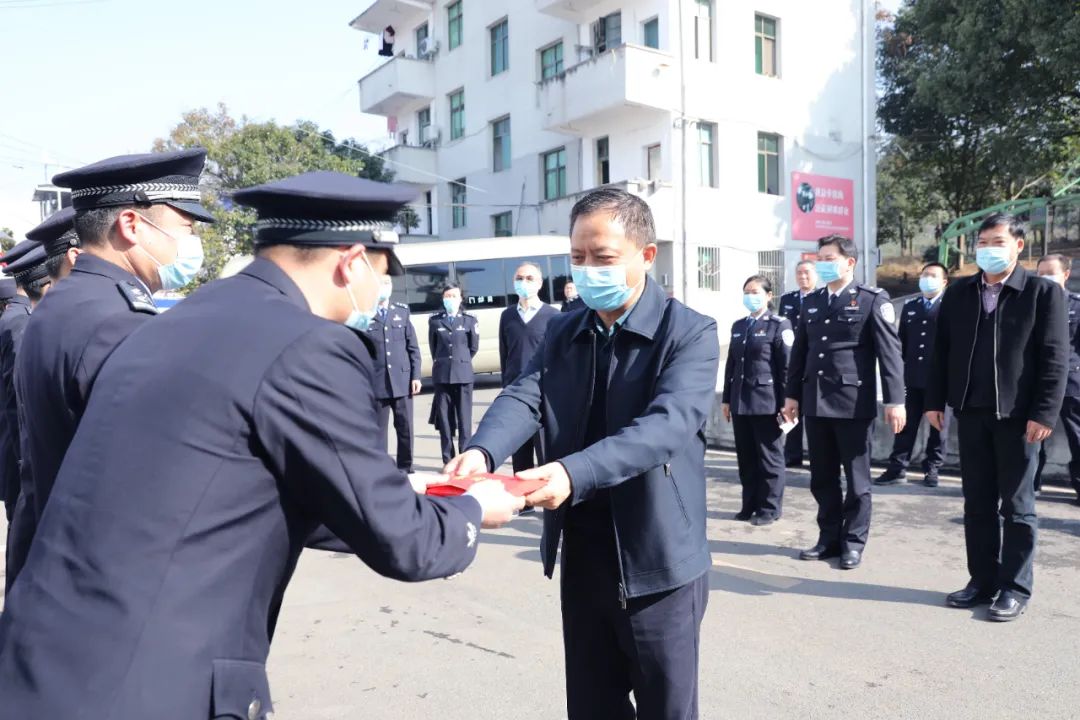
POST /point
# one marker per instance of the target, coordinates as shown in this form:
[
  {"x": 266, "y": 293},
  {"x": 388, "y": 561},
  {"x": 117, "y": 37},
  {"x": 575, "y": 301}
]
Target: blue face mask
[
  {"x": 753, "y": 302},
  {"x": 186, "y": 265},
  {"x": 524, "y": 289},
  {"x": 828, "y": 270},
  {"x": 602, "y": 288},
  {"x": 930, "y": 284},
  {"x": 360, "y": 320},
  {"x": 993, "y": 260},
  {"x": 451, "y": 305},
  {"x": 385, "y": 291}
]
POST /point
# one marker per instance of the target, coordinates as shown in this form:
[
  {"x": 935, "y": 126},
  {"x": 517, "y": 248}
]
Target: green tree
[
  {"x": 983, "y": 94},
  {"x": 907, "y": 199},
  {"x": 242, "y": 153},
  {"x": 7, "y": 239}
]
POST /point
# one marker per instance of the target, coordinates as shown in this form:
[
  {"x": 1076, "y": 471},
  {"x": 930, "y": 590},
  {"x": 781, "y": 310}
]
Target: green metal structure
[{"x": 970, "y": 222}]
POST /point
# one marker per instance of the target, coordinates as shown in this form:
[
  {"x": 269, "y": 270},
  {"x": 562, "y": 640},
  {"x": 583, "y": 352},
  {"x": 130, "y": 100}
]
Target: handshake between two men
[{"x": 497, "y": 501}]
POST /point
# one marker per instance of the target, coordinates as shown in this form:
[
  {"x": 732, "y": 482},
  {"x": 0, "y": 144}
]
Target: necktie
[{"x": 927, "y": 303}]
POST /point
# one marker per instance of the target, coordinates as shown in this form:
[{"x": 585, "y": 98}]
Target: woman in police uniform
[{"x": 753, "y": 395}]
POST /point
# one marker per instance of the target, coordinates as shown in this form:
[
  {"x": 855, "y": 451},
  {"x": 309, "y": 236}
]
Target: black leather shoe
[
  {"x": 1007, "y": 607},
  {"x": 819, "y": 552},
  {"x": 851, "y": 559},
  {"x": 743, "y": 515},
  {"x": 969, "y": 597},
  {"x": 889, "y": 478},
  {"x": 931, "y": 480},
  {"x": 762, "y": 520}
]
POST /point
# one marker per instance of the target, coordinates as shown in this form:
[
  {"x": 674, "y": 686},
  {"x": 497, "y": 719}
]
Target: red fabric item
[{"x": 458, "y": 485}]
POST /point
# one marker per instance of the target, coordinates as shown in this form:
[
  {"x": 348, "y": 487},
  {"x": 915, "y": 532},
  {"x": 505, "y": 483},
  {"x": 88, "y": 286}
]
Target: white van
[{"x": 484, "y": 268}]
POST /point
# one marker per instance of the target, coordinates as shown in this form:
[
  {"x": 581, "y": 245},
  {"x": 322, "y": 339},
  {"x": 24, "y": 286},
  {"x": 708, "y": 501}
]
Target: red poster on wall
[{"x": 821, "y": 205}]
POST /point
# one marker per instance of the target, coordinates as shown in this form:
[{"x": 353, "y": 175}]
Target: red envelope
[{"x": 458, "y": 485}]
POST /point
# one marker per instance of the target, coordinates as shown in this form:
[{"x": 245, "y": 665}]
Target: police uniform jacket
[
  {"x": 1031, "y": 348},
  {"x": 661, "y": 389},
  {"x": 453, "y": 342},
  {"x": 12, "y": 324},
  {"x": 575, "y": 304},
  {"x": 217, "y": 438},
  {"x": 72, "y": 332},
  {"x": 838, "y": 347},
  {"x": 397, "y": 355},
  {"x": 791, "y": 307},
  {"x": 756, "y": 368},
  {"x": 1072, "y": 387},
  {"x": 918, "y": 328}
]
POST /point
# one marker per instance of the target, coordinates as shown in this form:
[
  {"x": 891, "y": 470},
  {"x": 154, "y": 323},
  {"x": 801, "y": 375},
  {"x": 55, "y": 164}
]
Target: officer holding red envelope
[{"x": 620, "y": 393}]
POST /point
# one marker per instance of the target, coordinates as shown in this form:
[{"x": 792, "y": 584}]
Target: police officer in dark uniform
[
  {"x": 399, "y": 371},
  {"x": 790, "y": 307},
  {"x": 918, "y": 328},
  {"x": 754, "y": 380},
  {"x": 454, "y": 340},
  {"x": 33, "y": 282},
  {"x": 846, "y": 333},
  {"x": 57, "y": 235},
  {"x": 572, "y": 300},
  {"x": 1059, "y": 268},
  {"x": 216, "y": 439},
  {"x": 134, "y": 216}
]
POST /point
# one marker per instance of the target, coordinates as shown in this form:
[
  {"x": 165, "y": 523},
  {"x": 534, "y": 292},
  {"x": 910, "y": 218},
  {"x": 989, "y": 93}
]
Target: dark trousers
[
  {"x": 759, "y": 444},
  {"x": 650, "y": 648},
  {"x": 1069, "y": 424},
  {"x": 452, "y": 408},
  {"x": 793, "y": 450},
  {"x": 526, "y": 455},
  {"x": 843, "y": 519},
  {"x": 915, "y": 404},
  {"x": 403, "y": 426},
  {"x": 997, "y": 469}
]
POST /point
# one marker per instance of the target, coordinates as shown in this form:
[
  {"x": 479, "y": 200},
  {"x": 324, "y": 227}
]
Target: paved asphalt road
[{"x": 781, "y": 639}]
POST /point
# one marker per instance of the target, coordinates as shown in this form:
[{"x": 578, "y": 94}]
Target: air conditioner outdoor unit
[{"x": 427, "y": 48}]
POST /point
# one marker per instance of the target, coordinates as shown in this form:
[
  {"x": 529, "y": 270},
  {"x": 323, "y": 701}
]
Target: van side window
[{"x": 424, "y": 285}]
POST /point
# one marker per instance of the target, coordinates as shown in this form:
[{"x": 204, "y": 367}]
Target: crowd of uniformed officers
[
  {"x": 997, "y": 351},
  {"x": 162, "y": 474}
]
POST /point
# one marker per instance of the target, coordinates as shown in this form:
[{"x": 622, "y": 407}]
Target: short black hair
[
  {"x": 944, "y": 270},
  {"x": 93, "y": 226},
  {"x": 450, "y": 286},
  {"x": 845, "y": 245},
  {"x": 53, "y": 265},
  {"x": 1064, "y": 262},
  {"x": 35, "y": 289},
  {"x": 1016, "y": 227},
  {"x": 631, "y": 211},
  {"x": 766, "y": 283}
]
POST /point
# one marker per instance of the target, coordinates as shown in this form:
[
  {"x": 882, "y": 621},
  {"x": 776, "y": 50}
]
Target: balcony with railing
[
  {"x": 402, "y": 15},
  {"x": 397, "y": 85},
  {"x": 628, "y": 84},
  {"x": 413, "y": 164}
]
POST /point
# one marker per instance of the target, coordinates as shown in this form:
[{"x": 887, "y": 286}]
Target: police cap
[
  {"x": 30, "y": 267},
  {"x": 328, "y": 209},
  {"x": 170, "y": 178},
  {"x": 20, "y": 249},
  {"x": 57, "y": 234}
]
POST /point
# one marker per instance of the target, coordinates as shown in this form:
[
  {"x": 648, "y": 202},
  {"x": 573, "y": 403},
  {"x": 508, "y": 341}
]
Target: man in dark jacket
[
  {"x": 1000, "y": 361},
  {"x": 521, "y": 330},
  {"x": 216, "y": 439},
  {"x": 573, "y": 301},
  {"x": 621, "y": 393}
]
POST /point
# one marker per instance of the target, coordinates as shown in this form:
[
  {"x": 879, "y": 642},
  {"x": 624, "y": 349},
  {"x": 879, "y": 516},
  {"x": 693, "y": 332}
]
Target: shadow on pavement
[{"x": 750, "y": 582}]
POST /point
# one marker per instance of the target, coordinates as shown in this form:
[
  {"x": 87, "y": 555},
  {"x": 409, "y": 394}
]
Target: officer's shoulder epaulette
[
  {"x": 870, "y": 289},
  {"x": 1074, "y": 296},
  {"x": 435, "y": 316},
  {"x": 776, "y": 318},
  {"x": 466, "y": 313},
  {"x": 402, "y": 306},
  {"x": 912, "y": 299},
  {"x": 138, "y": 299}
]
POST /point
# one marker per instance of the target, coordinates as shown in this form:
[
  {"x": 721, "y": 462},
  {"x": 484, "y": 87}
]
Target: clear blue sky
[{"x": 81, "y": 80}]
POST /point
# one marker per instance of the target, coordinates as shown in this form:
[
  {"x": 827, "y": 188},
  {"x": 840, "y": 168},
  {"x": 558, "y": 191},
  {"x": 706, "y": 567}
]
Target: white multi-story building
[{"x": 506, "y": 111}]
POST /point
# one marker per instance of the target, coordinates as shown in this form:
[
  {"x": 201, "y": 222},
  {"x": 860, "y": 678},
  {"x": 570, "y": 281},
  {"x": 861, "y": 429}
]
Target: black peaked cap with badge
[
  {"x": 328, "y": 209},
  {"x": 170, "y": 178},
  {"x": 57, "y": 233},
  {"x": 20, "y": 249},
  {"x": 30, "y": 267}
]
